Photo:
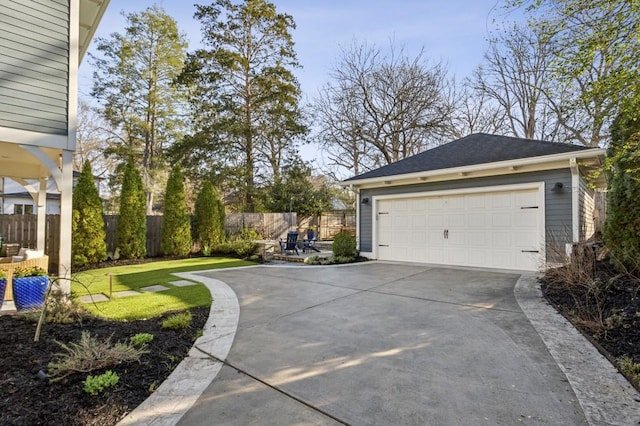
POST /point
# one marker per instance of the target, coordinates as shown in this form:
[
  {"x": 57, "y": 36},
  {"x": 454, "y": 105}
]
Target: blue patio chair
[
  {"x": 310, "y": 242},
  {"x": 291, "y": 244}
]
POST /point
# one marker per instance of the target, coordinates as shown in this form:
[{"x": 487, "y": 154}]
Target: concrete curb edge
[{"x": 605, "y": 396}]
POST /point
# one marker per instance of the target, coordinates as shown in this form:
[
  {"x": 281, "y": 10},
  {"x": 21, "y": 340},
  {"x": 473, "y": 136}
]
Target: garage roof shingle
[{"x": 479, "y": 148}]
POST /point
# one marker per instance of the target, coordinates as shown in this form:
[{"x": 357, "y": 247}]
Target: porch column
[
  {"x": 66, "y": 190},
  {"x": 41, "y": 206}
]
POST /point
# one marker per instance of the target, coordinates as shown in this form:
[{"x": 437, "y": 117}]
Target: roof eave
[
  {"x": 91, "y": 12},
  {"x": 468, "y": 170}
]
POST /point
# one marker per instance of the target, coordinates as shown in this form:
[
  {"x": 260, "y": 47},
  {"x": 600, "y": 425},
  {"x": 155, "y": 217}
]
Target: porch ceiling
[{"x": 15, "y": 162}]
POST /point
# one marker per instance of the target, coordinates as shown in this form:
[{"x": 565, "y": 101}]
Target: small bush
[
  {"x": 60, "y": 310},
  {"x": 141, "y": 339},
  {"x": 239, "y": 248},
  {"x": 3, "y": 275},
  {"x": 344, "y": 245},
  {"x": 90, "y": 354},
  {"x": 312, "y": 260},
  {"x": 177, "y": 321},
  {"x": 343, "y": 259},
  {"x": 93, "y": 385},
  {"x": 630, "y": 368}
]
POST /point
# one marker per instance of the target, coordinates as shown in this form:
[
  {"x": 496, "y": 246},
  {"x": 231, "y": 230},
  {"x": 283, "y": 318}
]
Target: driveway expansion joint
[{"x": 273, "y": 387}]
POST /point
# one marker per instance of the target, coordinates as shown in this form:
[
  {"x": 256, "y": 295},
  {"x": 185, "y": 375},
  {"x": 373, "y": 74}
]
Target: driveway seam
[
  {"x": 276, "y": 388},
  {"x": 605, "y": 396}
]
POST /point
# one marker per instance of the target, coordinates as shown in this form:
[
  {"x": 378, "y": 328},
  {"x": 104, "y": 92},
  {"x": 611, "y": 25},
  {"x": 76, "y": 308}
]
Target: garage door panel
[
  {"x": 477, "y": 220},
  {"x": 489, "y": 229},
  {"x": 477, "y": 239},
  {"x": 501, "y": 240}
]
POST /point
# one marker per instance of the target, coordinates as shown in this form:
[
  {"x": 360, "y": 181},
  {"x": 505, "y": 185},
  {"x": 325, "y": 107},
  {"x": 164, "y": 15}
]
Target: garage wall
[
  {"x": 587, "y": 207},
  {"x": 557, "y": 207}
]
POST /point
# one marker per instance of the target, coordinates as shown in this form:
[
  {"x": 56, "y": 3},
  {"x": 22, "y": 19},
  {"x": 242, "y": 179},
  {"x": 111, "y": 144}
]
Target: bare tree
[
  {"x": 475, "y": 112},
  {"x": 380, "y": 109},
  {"x": 516, "y": 74},
  {"x": 92, "y": 140}
]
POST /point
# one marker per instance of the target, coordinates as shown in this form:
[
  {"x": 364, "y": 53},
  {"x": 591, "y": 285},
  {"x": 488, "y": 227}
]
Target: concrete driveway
[{"x": 384, "y": 344}]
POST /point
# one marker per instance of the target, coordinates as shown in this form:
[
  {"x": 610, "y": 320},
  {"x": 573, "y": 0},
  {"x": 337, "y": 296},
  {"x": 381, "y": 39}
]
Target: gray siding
[
  {"x": 587, "y": 207},
  {"x": 557, "y": 207},
  {"x": 34, "y": 63}
]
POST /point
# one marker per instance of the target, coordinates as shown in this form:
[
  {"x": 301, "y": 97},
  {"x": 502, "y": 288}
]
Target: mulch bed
[
  {"x": 607, "y": 311},
  {"x": 27, "y": 400}
]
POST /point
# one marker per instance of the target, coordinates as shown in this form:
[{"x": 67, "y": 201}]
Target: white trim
[
  {"x": 26, "y": 137},
  {"x": 367, "y": 254},
  {"x": 539, "y": 186},
  {"x": 543, "y": 162},
  {"x": 474, "y": 190},
  {"x": 46, "y": 161},
  {"x": 575, "y": 200}
]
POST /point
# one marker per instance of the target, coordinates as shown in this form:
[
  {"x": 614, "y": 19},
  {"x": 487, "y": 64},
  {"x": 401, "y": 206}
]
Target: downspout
[{"x": 575, "y": 200}]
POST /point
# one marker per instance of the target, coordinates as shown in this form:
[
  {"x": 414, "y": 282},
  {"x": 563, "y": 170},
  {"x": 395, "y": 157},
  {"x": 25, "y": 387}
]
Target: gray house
[
  {"x": 41, "y": 46},
  {"x": 482, "y": 200}
]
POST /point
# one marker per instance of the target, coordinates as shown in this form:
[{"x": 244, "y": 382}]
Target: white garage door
[{"x": 500, "y": 229}]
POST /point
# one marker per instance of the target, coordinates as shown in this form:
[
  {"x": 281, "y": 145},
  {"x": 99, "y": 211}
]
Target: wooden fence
[{"x": 22, "y": 229}]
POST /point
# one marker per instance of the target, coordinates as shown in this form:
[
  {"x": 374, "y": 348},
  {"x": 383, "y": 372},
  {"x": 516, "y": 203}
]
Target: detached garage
[{"x": 483, "y": 200}]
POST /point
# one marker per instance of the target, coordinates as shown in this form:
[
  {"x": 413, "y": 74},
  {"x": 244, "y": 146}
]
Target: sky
[{"x": 454, "y": 32}]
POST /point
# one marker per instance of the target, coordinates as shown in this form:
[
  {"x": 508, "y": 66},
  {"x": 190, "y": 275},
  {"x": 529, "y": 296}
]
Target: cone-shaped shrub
[
  {"x": 132, "y": 222},
  {"x": 176, "y": 227},
  {"x": 88, "y": 237},
  {"x": 209, "y": 218}
]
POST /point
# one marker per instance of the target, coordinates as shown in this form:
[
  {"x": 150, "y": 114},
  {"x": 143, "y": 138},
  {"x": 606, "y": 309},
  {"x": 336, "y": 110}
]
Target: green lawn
[{"x": 134, "y": 277}]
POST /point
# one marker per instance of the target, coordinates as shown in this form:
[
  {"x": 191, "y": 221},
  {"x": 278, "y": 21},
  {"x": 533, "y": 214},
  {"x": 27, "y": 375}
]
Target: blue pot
[
  {"x": 29, "y": 292},
  {"x": 3, "y": 288}
]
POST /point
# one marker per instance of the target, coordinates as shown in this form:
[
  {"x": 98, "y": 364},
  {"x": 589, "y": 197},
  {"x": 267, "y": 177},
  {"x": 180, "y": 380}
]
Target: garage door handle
[
  {"x": 530, "y": 251},
  {"x": 383, "y": 245}
]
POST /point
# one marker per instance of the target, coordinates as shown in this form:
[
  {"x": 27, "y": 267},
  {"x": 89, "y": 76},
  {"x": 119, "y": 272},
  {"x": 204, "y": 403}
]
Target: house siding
[
  {"x": 587, "y": 207},
  {"x": 557, "y": 203},
  {"x": 34, "y": 58}
]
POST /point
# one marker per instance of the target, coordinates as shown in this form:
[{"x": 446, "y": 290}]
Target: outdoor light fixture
[
  {"x": 365, "y": 200},
  {"x": 557, "y": 187}
]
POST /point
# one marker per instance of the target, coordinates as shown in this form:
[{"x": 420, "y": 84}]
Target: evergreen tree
[
  {"x": 176, "y": 227},
  {"x": 243, "y": 93},
  {"x": 132, "y": 222},
  {"x": 209, "y": 217},
  {"x": 133, "y": 81},
  {"x": 88, "y": 237},
  {"x": 622, "y": 228}
]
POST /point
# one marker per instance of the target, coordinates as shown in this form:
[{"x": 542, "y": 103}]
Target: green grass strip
[{"x": 135, "y": 277}]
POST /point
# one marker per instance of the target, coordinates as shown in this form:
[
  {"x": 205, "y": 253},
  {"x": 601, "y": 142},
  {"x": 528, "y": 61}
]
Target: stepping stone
[
  {"x": 154, "y": 288},
  {"x": 91, "y": 298},
  {"x": 126, "y": 293},
  {"x": 182, "y": 283}
]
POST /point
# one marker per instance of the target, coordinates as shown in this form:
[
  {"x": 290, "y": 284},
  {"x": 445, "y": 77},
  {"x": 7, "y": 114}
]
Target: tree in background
[
  {"x": 243, "y": 94},
  {"x": 176, "y": 227},
  {"x": 380, "y": 109},
  {"x": 595, "y": 56},
  {"x": 131, "y": 232},
  {"x": 132, "y": 80},
  {"x": 209, "y": 218},
  {"x": 298, "y": 191},
  {"x": 622, "y": 227},
  {"x": 517, "y": 76},
  {"x": 88, "y": 238}
]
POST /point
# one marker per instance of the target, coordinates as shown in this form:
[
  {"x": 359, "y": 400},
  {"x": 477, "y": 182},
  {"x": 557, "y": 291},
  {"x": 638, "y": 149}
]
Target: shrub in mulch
[
  {"x": 28, "y": 397},
  {"x": 603, "y": 304}
]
